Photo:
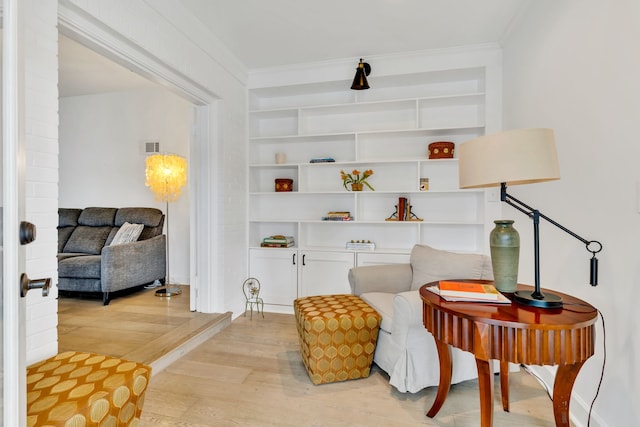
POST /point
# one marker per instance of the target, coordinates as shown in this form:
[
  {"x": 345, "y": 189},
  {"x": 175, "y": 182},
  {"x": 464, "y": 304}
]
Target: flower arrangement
[{"x": 356, "y": 177}]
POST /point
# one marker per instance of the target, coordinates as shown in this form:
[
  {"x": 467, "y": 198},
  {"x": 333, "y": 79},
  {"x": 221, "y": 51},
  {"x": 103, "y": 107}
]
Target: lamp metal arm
[
  {"x": 592, "y": 246},
  {"x": 531, "y": 212}
]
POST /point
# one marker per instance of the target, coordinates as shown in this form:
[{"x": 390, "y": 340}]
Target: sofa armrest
[
  {"x": 407, "y": 311},
  {"x": 391, "y": 278},
  {"x": 132, "y": 264}
]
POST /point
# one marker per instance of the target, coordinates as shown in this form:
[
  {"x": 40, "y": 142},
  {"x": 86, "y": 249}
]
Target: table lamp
[{"x": 521, "y": 156}]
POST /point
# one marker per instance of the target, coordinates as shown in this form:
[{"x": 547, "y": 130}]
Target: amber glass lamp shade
[{"x": 166, "y": 175}]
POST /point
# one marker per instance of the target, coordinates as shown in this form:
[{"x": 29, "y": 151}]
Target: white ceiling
[
  {"x": 272, "y": 33},
  {"x": 268, "y": 33},
  {"x": 84, "y": 72}
]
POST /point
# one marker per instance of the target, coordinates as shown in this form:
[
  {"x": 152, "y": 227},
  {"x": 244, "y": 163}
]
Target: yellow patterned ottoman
[
  {"x": 76, "y": 389},
  {"x": 338, "y": 335}
]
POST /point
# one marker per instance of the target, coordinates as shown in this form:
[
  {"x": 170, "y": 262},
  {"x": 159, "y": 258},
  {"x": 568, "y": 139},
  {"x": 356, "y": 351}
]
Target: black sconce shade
[{"x": 360, "y": 80}]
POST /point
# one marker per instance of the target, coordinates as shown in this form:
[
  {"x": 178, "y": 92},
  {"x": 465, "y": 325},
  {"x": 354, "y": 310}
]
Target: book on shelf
[
  {"x": 455, "y": 288},
  {"x": 277, "y": 245},
  {"x": 278, "y": 239},
  {"x": 322, "y": 160},
  {"x": 338, "y": 216},
  {"x": 500, "y": 300},
  {"x": 402, "y": 209}
]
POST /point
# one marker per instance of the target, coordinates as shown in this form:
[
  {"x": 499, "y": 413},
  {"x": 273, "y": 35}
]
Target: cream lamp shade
[{"x": 521, "y": 156}]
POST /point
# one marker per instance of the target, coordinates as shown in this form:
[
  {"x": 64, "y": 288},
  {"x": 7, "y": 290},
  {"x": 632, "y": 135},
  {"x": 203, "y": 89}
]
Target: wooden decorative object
[
  {"x": 441, "y": 150},
  {"x": 403, "y": 212},
  {"x": 284, "y": 184}
]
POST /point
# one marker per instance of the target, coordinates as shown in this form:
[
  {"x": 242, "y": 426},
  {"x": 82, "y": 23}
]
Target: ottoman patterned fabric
[
  {"x": 338, "y": 335},
  {"x": 76, "y": 389}
]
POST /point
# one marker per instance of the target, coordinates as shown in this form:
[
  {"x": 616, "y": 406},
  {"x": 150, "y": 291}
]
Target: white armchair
[{"x": 405, "y": 349}]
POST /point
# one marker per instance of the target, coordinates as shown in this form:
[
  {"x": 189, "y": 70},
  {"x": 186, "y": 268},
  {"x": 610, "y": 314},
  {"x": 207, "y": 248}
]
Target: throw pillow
[
  {"x": 127, "y": 233},
  {"x": 429, "y": 265}
]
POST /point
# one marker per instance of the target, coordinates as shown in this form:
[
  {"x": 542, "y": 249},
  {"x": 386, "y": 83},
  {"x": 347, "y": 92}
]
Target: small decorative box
[
  {"x": 361, "y": 245},
  {"x": 441, "y": 150},
  {"x": 284, "y": 184}
]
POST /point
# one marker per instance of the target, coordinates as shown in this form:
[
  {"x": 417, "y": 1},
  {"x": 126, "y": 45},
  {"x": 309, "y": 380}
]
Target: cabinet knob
[
  {"x": 303, "y": 255},
  {"x": 294, "y": 259}
]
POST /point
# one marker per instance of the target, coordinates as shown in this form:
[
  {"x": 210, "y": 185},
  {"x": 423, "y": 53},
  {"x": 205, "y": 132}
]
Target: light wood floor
[
  {"x": 249, "y": 372},
  {"x": 140, "y": 327}
]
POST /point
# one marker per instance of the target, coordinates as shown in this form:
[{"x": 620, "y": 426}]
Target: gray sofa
[{"x": 88, "y": 262}]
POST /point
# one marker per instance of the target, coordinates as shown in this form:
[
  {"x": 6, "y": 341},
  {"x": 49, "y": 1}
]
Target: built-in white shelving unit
[{"x": 386, "y": 128}]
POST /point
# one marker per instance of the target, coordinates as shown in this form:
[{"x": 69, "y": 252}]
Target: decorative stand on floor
[{"x": 251, "y": 291}]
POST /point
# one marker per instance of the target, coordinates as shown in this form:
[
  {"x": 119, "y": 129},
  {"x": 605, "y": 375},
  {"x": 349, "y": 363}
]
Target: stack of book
[
  {"x": 453, "y": 290},
  {"x": 338, "y": 216},
  {"x": 277, "y": 242}
]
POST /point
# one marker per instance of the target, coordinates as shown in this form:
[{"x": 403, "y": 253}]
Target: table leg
[
  {"x": 504, "y": 385},
  {"x": 485, "y": 385},
  {"x": 562, "y": 387},
  {"x": 446, "y": 368}
]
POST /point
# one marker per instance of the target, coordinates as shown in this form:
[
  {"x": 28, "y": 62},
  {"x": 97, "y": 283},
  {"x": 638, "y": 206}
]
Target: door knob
[
  {"x": 27, "y": 284},
  {"x": 27, "y": 232}
]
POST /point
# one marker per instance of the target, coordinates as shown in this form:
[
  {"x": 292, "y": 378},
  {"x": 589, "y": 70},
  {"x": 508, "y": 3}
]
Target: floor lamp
[
  {"x": 166, "y": 174},
  {"x": 522, "y": 156}
]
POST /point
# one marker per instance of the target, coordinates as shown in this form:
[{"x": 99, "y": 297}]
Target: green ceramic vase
[{"x": 505, "y": 254}]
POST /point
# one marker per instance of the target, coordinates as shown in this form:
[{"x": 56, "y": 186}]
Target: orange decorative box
[
  {"x": 441, "y": 150},
  {"x": 284, "y": 184}
]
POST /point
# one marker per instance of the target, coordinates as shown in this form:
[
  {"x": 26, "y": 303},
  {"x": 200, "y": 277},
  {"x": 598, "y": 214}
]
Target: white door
[{"x": 13, "y": 393}]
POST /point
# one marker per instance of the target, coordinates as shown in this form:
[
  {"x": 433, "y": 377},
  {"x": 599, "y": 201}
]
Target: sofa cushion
[
  {"x": 151, "y": 218},
  {"x": 97, "y": 217},
  {"x": 67, "y": 221},
  {"x": 429, "y": 265},
  {"x": 63, "y": 237},
  {"x": 88, "y": 240},
  {"x": 80, "y": 267},
  {"x": 68, "y": 217},
  {"x": 127, "y": 233}
]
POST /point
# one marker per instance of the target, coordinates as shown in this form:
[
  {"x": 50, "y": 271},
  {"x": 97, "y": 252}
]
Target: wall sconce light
[{"x": 360, "y": 80}]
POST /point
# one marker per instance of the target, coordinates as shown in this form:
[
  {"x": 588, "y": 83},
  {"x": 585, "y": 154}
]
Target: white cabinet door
[
  {"x": 277, "y": 271},
  {"x": 324, "y": 273}
]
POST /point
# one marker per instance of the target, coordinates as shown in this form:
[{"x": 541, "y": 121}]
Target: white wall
[
  {"x": 102, "y": 160},
  {"x": 41, "y": 165},
  {"x": 166, "y": 34},
  {"x": 573, "y": 66}
]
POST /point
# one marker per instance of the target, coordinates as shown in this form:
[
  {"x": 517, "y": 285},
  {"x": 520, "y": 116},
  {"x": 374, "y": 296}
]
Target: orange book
[{"x": 455, "y": 288}]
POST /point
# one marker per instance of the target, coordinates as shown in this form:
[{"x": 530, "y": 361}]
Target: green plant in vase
[{"x": 357, "y": 179}]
